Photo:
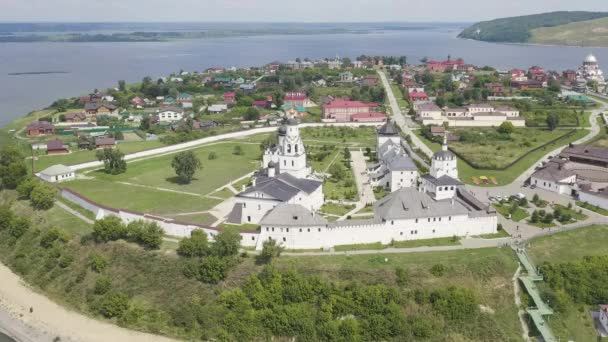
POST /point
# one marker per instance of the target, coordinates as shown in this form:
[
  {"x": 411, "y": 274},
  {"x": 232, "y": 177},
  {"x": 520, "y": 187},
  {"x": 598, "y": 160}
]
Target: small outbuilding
[{"x": 57, "y": 173}]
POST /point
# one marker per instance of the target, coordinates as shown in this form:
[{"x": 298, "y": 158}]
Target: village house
[
  {"x": 416, "y": 96},
  {"x": 569, "y": 75},
  {"x": 221, "y": 82},
  {"x": 75, "y": 117},
  {"x": 537, "y": 73},
  {"x": 341, "y": 110},
  {"x": 101, "y": 143},
  {"x": 137, "y": 102},
  {"x": 297, "y": 98},
  {"x": 94, "y": 109},
  {"x": 261, "y": 104},
  {"x": 247, "y": 88},
  {"x": 57, "y": 173},
  {"x": 475, "y": 115},
  {"x": 554, "y": 176},
  {"x": 369, "y": 81},
  {"x": 346, "y": 76},
  {"x": 40, "y": 128},
  {"x": 170, "y": 114},
  {"x": 184, "y": 97},
  {"x": 229, "y": 97},
  {"x": 527, "y": 84},
  {"x": 495, "y": 89},
  {"x": 358, "y": 64},
  {"x": 218, "y": 108},
  {"x": 447, "y": 65},
  {"x": 56, "y": 146},
  {"x": 518, "y": 75}
]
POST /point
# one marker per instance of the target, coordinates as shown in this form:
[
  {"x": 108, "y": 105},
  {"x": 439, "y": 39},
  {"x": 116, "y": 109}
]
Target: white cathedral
[
  {"x": 285, "y": 177},
  {"x": 590, "y": 72}
]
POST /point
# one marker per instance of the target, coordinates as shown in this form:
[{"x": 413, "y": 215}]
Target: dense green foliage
[
  {"x": 12, "y": 167},
  {"x": 185, "y": 165},
  {"x": 111, "y": 228},
  {"x": 113, "y": 160},
  {"x": 517, "y": 29}
]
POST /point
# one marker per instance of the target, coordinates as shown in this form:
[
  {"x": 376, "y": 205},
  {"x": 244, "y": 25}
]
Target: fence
[{"x": 169, "y": 226}]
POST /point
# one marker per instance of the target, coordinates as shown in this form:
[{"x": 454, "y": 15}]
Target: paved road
[
  {"x": 400, "y": 118},
  {"x": 366, "y": 192}
]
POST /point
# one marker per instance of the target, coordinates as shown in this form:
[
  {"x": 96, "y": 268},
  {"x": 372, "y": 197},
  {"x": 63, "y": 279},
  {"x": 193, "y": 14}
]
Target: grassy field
[
  {"x": 82, "y": 156},
  {"x": 205, "y": 219},
  {"x": 336, "y": 209},
  {"x": 487, "y": 272},
  {"x": 507, "y": 176},
  {"x": 592, "y": 33},
  {"x": 593, "y": 208},
  {"x": 361, "y": 136},
  {"x": 505, "y": 209},
  {"x": 399, "y": 96},
  {"x": 139, "y": 199},
  {"x": 489, "y": 151},
  {"x": 574, "y": 324}
]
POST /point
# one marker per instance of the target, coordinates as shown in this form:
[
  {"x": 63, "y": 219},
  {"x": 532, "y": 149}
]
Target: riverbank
[{"x": 49, "y": 320}]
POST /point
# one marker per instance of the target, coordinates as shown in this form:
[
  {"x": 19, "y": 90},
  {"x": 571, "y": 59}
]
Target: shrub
[
  {"x": 98, "y": 263},
  {"x": 26, "y": 187},
  {"x": 109, "y": 228},
  {"x": 227, "y": 243},
  {"x": 18, "y": 227},
  {"x": 270, "y": 251},
  {"x": 146, "y": 234},
  {"x": 212, "y": 155},
  {"x": 52, "y": 235},
  {"x": 113, "y": 304},
  {"x": 42, "y": 196},
  {"x": 402, "y": 276},
  {"x": 6, "y": 217},
  {"x": 102, "y": 285},
  {"x": 66, "y": 260},
  {"x": 194, "y": 246},
  {"x": 438, "y": 270},
  {"x": 238, "y": 150},
  {"x": 212, "y": 269}
]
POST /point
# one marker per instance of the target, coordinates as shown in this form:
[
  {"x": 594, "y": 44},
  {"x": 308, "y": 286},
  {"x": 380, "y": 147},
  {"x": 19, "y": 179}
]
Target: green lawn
[
  {"x": 593, "y": 208},
  {"x": 447, "y": 241},
  {"x": 340, "y": 190},
  {"x": 336, "y": 209},
  {"x": 505, "y": 210},
  {"x": 139, "y": 199},
  {"x": 466, "y": 172},
  {"x": 573, "y": 213},
  {"x": 366, "y": 209},
  {"x": 82, "y": 156},
  {"x": 157, "y": 172},
  {"x": 360, "y": 136},
  {"x": 201, "y": 218},
  {"x": 498, "y": 235},
  {"x": 240, "y": 227},
  {"x": 399, "y": 96}
]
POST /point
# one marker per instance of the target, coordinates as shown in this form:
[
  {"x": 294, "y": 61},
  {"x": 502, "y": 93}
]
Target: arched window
[
  {"x": 292, "y": 163},
  {"x": 288, "y": 148},
  {"x": 296, "y": 148}
]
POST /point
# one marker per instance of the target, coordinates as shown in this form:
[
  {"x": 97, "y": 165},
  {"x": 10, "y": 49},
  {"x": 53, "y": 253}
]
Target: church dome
[
  {"x": 283, "y": 130},
  {"x": 272, "y": 164},
  {"x": 444, "y": 155},
  {"x": 590, "y": 59},
  {"x": 292, "y": 122}
]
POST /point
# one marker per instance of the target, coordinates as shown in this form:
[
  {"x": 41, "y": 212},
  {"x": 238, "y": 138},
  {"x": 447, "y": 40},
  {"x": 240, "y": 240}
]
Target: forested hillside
[{"x": 519, "y": 29}]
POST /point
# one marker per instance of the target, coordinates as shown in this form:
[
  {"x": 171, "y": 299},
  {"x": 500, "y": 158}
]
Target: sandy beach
[{"x": 50, "y": 320}]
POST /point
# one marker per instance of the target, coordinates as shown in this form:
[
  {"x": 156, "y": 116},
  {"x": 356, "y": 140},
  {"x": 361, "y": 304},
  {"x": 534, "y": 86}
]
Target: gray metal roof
[
  {"x": 442, "y": 181},
  {"x": 554, "y": 171},
  {"x": 388, "y": 128},
  {"x": 292, "y": 215},
  {"x": 444, "y": 155},
  {"x": 283, "y": 187},
  {"x": 55, "y": 170},
  {"x": 401, "y": 163},
  {"x": 409, "y": 203}
]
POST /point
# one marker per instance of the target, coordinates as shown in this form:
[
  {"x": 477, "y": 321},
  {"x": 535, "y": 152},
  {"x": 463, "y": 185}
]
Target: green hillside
[
  {"x": 520, "y": 29},
  {"x": 587, "y": 33}
]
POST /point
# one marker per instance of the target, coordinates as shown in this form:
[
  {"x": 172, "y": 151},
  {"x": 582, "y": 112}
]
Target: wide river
[{"x": 101, "y": 65}]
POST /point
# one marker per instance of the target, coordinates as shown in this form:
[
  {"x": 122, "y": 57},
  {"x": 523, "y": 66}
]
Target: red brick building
[
  {"x": 342, "y": 109},
  {"x": 40, "y": 128}
]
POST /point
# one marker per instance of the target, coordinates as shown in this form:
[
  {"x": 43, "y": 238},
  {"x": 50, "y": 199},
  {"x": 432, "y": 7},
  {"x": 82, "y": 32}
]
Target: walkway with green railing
[{"x": 541, "y": 308}]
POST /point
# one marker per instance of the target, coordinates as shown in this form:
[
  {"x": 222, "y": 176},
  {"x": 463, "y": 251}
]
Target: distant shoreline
[
  {"x": 536, "y": 44},
  {"x": 37, "y": 73}
]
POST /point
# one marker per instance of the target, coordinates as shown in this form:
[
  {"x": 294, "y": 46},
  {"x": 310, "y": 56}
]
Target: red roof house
[
  {"x": 368, "y": 117},
  {"x": 105, "y": 142},
  {"x": 342, "y": 109},
  {"x": 230, "y": 97},
  {"x": 417, "y": 96},
  {"x": 297, "y": 98}
]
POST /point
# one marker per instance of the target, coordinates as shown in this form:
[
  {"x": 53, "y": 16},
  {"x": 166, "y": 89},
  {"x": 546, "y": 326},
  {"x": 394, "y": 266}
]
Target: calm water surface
[{"x": 100, "y": 65}]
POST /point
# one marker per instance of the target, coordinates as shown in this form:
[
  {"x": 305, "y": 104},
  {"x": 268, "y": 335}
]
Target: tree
[
  {"x": 146, "y": 234},
  {"x": 212, "y": 155},
  {"x": 535, "y": 198},
  {"x": 227, "y": 243},
  {"x": 98, "y": 263},
  {"x": 535, "y": 217},
  {"x": 346, "y": 153},
  {"x": 185, "y": 165},
  {"x": 122, "y": 85},
  {"x": 237, "y": 151},
  {"x": 109, "y": 228},
  {"x": 270, "y": 250},
  {"x": 102, "y": 285},
  {"x": 552, "y": 121},
  {"x": 145, "y": 123},
  {"x": 25, "y": 188},
  {"x": 194, "y": 246},
  {"x": 212, "y": 269},
  {"x": 252, "y": 114},
  {"x": 337, "y": 171},
  {"x": 42, "y": 196},
  {"x": 346, "y": 62},
  {"x": 113, "y": 160},
  {"x": 12, "y": 167},
  {"x": 548, "y": 218},
  {"x": 506, "y": 128},
  {"x": 50, "y": 236},
  {"x": 6, "y": 217},
  {"x": 18, "y": 227}
]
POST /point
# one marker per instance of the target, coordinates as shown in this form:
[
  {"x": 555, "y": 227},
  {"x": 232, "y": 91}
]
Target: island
[{"x": 555, "y": 28}]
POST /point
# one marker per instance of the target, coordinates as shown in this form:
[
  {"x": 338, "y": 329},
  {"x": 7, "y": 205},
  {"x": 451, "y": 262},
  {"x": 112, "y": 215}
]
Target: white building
[
  {"x": 476, "y": 115},
  {"x": 170, "y": 115},
  {"x": 394, "y": 169},
  {"x": 590, "y": 71},
  {"x": 603, "y": 317},
  {"x": 285, "y": 177},
  {"x": 555, "y": 176},
  {"x": 599, "y": 198},
  {"x": 442, "y": 207},
  {"x": 57, "y": 173}
]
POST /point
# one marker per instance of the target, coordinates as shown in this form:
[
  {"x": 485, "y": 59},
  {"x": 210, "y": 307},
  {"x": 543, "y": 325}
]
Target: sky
[{"x": 283, "y": 10}]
